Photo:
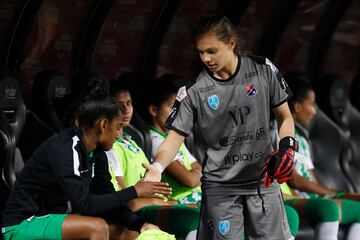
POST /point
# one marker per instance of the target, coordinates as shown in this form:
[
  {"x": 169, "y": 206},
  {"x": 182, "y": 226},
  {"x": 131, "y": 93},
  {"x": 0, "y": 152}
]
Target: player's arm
[
  {"x": 302, "y": 184},
  {"x": 281, "y": 162},
  {"x": 164, "y": 156},
  {"x": 285, "y": 120},
  {"x": 188, "y": 178}
]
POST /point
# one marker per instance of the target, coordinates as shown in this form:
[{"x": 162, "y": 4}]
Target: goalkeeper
[{"x": 229, "y": 106}]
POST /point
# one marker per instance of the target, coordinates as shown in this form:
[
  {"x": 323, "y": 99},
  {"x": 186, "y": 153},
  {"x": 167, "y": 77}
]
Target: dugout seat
[
  {"x": 49, "y": 90},
  {"x": 12, "y": 120},
  {"x": 140, "y": 134},
  {"x": 329, "y": 143},
  {"x": 347, "y": 117},
  {"x": 7, "y": 153},
  {"x": 354, "y": 92}
]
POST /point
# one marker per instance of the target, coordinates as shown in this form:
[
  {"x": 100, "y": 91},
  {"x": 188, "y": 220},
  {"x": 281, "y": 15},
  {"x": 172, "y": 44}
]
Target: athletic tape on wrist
[
  {"x": 198, "y": 171},
  {"x": 289, "y": 142},
  {"x": 158, "y": 166}
]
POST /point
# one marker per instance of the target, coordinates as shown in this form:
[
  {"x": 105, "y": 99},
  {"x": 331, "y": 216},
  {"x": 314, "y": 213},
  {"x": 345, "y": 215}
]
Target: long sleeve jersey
[{"x": 60, "y": 170}]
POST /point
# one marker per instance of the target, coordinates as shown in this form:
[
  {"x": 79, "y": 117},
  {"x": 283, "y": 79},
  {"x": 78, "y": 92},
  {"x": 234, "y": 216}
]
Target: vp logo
[
  {"x": 238, "y": 115},
  {"x": 213, "y": 102}
]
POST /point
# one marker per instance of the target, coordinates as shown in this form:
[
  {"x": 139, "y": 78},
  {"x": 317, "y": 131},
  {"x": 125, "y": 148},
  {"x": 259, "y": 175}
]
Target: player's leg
[
  {"x": 272, "y": 224},
  {"x": 350, "y": 216},
  {"x": 322, "y": 214},
  {"x": 58, "y": 227},
  {"x": 168, "y": 218},
  {"x": 84, "y": 227},
  {"x": 293, "y": 220},
  {"x": 221, "y": 218}
]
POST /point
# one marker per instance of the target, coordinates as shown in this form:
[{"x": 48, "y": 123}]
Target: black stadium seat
[
  {"x": 13, "y": 107},
  {"x": 140, "y": 134},
  {"x": 328, "y": 144},
  {"x": 7, "y": 153},
  {"x": 12, "y": 120},
  {"x": 347, "y": 117},
  {"x": 49, "y": 89}
]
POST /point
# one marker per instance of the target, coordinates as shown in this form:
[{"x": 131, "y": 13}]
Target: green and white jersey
[
  {"x": 180, "y": 192},
  {"x": 232, "y": 118},
  {"x": 303, "y": 162}
]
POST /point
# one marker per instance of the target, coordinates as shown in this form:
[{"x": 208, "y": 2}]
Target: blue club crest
[
  {"x": 224, "y": 227},
  {"x": 213, "y": 102}
]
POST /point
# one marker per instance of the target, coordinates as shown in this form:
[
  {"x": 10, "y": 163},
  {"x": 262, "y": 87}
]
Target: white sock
[
  {"x": 327, "y": 231},
  {"x": 353, "y": 232},
  {"x": 191, "y": 235}
]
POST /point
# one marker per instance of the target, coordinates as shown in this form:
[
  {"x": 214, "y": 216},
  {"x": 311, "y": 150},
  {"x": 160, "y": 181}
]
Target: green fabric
[
  {"x": 155, "y": 234},
  {"x": 194, "y": 198},
  {"x": 182, "y": 219},
  {"x": 44, "y": 227},
  {"x": 131, "y": 158},
  {"x": 293, "y": 219},
  {"x": 318, "y": 210},
  {"x": 179, "y": 191},
  {"x": 350, "y": 211}
]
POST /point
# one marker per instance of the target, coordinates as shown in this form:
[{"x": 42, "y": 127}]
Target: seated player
[
  {"x": 71, "y": 168},
  {"x": 184, "y": 173},
  {"x": 125, "y": 162},
  {"x": 324, "y": 208}
]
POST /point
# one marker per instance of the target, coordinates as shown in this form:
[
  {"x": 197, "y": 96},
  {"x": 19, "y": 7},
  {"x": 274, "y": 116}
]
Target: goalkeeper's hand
[{"x": 279, "y": 165}]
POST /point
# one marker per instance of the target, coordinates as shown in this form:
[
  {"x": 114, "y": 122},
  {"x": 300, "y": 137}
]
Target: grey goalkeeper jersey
[{"x": 232, "y": 120}]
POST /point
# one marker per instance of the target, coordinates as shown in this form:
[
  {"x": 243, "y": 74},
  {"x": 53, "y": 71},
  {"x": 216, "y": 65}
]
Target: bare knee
[{"x": 98, "y": 229}]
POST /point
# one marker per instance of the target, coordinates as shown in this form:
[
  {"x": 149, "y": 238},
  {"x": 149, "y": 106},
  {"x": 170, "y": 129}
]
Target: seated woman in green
[
  {"x": 322, "y": 207},
  {"x": 184, "y": 173},
  {"x": 125, "y": 163}
]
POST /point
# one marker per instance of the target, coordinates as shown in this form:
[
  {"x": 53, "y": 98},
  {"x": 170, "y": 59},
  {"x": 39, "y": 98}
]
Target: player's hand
[
  {"x": 148, "y": 189},
  {"x": 152, "y": 173},
  {"x": 148, "y": 226},
  {"x": 279, "y": 165}
]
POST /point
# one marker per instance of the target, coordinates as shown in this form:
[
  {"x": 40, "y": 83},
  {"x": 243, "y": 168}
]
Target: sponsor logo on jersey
[
  {"x": 260, "y": 133},
  {"x": 250, "y": 90},
  {"x": 181, "y": 93},
  {"x": 234, "y": 158},
  {"x": 213, "y": 102},
  {"x": 224, "y": 227},
  {"x": 236, "y": 140},
  {"x": 284, "y": 85},
  {"x": 207, "y": 89},
  {"x": 238, "y": 115},
  {"x": 250, "y": 74}
]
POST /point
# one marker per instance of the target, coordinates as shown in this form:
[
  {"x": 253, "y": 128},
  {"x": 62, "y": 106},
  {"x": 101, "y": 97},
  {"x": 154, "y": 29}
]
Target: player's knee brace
[
  {"x": 350, "y": 211},
  {"x": 321, "y": 210}
]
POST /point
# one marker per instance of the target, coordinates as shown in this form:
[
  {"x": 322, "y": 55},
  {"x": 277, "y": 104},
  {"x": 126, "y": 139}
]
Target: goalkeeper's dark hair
[
  {"x": 300, "y": 85},
  {"x": 221, "y": 26}
]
